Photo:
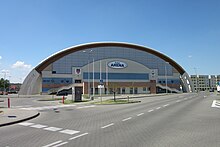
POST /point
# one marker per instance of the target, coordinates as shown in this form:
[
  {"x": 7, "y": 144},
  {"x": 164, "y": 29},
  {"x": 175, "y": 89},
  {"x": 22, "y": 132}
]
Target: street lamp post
[
  {"x": 93, "y": 79},
  {"x": 166, "y": 74},
  {"x": 89, "y": 72}
]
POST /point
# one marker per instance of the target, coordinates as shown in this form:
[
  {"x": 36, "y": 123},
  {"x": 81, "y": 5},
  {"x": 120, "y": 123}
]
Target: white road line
[
  {"x": 70, "y": 132},
  {"x": 166, "y": 105},
  {"x": 185, "y": 98},
  {"x": 60, "y": 144},
  {"x": 107, "y": 125},
  {"x": 53, "y": 143},
  {"x": 127, "y": 119},
  {"x": 140, "y": 114},
  {"x": 38, "y": 126},
  {"x": 26, "y": 124},
  {"x": 52, "y": 129},
  {"x": 47, "y": 107},
  {"x": 213, "y": 103},
  {"x": 178, "y": 101},
  {"x": 158, "y": 108},
  {"x": 151, "y": 110},
  {"x": 85, "y": 107},
  {"x": 78, "y": 136},
  {"x": 22, "y": 106}
]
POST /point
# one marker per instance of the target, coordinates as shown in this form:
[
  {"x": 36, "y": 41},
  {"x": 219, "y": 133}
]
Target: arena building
[{"x": 107, "y": 67}]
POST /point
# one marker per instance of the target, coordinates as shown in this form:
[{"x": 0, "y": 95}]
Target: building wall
[
  {"x": 204, "y": 82},
  {"x": 144, "y": 67},
  {"x": 135, "y": 73}
]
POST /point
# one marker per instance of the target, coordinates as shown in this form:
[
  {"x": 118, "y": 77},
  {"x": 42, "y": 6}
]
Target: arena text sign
[{"x": 117, "y": 64}]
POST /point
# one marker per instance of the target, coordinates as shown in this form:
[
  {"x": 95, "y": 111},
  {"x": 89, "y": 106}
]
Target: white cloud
[
  {"x": 5, "y": 71},
  {"x": 0, "y": 57},
  {"x": 190, "y": 56},
  {"x": 21, "y": 65}
]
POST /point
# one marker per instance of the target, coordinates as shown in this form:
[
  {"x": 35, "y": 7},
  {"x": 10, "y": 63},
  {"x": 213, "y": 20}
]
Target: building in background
[
  {"x": 14, "y": 87},
  {"x": 107, "y": 67},
  {"x": 213, "y": 82},
  {"x": 205, "y": 82}
]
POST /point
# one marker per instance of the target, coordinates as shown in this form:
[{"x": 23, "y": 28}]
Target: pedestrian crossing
[
  {"x": 48, "y": 128},
  {"x": 56, "y": 107},
  {"x": 47, "y": 107}
]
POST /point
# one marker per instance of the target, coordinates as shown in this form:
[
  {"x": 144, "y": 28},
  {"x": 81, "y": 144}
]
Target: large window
[{"x": 80, "y": 58}]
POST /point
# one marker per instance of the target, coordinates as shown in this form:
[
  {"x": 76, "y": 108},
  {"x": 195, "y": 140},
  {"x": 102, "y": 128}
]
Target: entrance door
[
  {"x": 78, "y": 94},
  {"x": 135, "y": 90}
]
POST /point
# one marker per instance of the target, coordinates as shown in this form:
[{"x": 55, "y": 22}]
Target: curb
[
  {"x": 142, "y": 96},
  {"x": 18, "y": 121}
]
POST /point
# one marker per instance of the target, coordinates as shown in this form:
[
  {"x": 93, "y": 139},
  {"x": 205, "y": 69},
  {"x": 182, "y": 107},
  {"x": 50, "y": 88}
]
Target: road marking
[
  {"x": 215, "y": 104},
  {"x": 70, "y": 132},
  {"x": 85, "y": 107},
  {"x": 185, "y": 98},
  {"x": 178, "y": 101},
  {"x": 78, "y": 136},
  {"x": 47, "y": 107},
  {"x": 140, "y": 114},
  {"x": 22, "y": 106},
  {"x": 151, "y": 110},
  {"x": 52, "y": 143},
  {"x": 127, "y": 119},
  {"x": 26, "y": 124},
  {"x": 166, "y": 105},
  {"x": 60, "y": 144},
  {"x": 107, "y": 125},
  {"x": 158, "y": 108},
  {"x": 38, "y": 126},
  {"x": 52, "y": 129}
]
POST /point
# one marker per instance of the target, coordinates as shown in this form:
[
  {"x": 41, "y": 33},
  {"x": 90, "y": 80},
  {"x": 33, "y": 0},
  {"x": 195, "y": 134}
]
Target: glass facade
[
  {"x": 118, "y": 76},
  {"x": 64, "y": 67},
  {"x": 81, "y": 58}
]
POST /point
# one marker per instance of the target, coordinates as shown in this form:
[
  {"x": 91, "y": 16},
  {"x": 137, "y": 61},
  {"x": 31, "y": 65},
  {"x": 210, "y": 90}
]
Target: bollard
[
  {"x": 8, "y": 102},
  {"x": 63, "y": 99}
]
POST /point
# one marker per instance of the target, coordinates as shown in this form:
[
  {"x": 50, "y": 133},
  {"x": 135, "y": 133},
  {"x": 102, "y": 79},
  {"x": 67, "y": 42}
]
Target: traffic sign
[{"x": 101, "y": 86}]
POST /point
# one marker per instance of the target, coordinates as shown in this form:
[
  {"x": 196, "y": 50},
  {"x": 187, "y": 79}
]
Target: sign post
[{"x": 101, "y": 87}]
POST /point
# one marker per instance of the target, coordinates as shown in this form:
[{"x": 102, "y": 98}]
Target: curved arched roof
[{"x": 73, "y": 49}]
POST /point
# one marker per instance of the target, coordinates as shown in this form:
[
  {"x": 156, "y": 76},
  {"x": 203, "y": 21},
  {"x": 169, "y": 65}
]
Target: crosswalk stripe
[
  {"x": 53, "y": 129},
  {"x": 26, "y": 124},
  {"x": 38, "y": 126},
  {"x": 70, "y": 132},
  {"x": 47, "y": 107}
]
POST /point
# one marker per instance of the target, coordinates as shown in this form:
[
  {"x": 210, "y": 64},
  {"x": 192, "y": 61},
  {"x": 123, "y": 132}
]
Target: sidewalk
[
  {"x": 125, "y": 96},
  {"x": 9, "y": 116}
]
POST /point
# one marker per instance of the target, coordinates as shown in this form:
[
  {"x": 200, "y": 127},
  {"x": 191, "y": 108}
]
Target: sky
[{"x": 188, "y": 31}]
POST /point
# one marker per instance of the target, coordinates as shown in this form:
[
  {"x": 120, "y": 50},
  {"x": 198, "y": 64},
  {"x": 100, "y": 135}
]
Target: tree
[{"x": 4, "y": 83}]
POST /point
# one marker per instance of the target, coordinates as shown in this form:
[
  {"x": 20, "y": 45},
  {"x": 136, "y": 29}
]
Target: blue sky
[{"x": 188, "y": 31}]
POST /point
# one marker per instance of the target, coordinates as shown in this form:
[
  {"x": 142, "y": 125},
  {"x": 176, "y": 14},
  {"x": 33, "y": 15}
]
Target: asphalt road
[{"x": 166, "y": 121}]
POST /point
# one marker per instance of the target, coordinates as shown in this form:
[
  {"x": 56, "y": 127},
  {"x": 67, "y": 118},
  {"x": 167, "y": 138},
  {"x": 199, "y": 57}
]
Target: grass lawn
[
  {"x": 71, "y": 102},
  {"x": 112, "y": 102},
  {"x": 51, "y": 99}
]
